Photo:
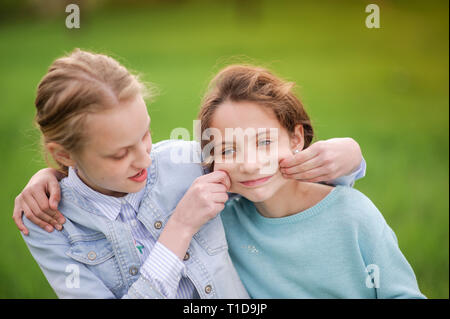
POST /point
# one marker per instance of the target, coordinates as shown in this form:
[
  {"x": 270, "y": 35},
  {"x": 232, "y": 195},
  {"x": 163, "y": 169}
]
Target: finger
[
  {"x": 17, "y": 217},
  {"x": 43, "y": 203},
  {"x": 217, "y": 188},
  {"x": 311, "y": 174},
  {"x": 218, "y": 177},
  {"x": 219, "y": 197},
  {"x": 38, "y": 213},
  {"x": 29, "y": 214},
  {"x": 309, "y": 165},
  {"x": 323, "y": 178},
  {"x": 54, "y": 192},
  {"x": 299, "y": 158}
]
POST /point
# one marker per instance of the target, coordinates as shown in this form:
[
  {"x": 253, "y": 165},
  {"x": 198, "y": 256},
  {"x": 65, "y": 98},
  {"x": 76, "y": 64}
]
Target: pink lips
[
  {"x": 139, "y": 177},
  {"x": 256, "y": 182}
]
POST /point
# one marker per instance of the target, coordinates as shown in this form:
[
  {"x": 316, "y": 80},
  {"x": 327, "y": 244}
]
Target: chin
[{"x": 256, "y": 195}]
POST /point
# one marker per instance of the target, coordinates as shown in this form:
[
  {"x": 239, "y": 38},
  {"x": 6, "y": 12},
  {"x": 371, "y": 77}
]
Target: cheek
[
  {"x": 231, "y": 170},
  {"x": 284, "y": 151},
  {"x": 227, "y": 167}
]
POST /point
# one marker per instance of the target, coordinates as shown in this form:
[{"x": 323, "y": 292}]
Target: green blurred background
[{"x": 387, "y": 88}]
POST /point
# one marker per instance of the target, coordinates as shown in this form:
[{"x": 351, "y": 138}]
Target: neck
[
  {"x": 96, "y": 188},
  {"x": 292, "y": 198}
]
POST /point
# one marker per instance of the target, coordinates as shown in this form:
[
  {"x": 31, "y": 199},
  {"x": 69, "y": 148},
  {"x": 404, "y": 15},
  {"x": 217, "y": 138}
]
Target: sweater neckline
[{"x": 297, "y": 217}]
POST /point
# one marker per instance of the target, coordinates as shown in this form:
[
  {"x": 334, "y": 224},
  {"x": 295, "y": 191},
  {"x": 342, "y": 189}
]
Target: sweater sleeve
[{"x": 388, "y": 271}]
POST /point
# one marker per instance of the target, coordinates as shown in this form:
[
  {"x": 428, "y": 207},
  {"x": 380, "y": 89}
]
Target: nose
[
  {"x": 143, "y": 159},
  {"x": 250, "y": 164}
]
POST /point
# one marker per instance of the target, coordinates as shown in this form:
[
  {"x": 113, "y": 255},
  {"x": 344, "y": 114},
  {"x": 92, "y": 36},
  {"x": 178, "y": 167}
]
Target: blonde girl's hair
[
  {"x": 76, "y": 85},
  {"x": 238, "y": 83}
]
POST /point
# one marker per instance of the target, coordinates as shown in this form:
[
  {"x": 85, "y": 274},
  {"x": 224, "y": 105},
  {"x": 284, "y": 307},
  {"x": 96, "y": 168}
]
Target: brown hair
[
  {"x": 74, "y": 86},
  {"x": 255, "y": 84}
]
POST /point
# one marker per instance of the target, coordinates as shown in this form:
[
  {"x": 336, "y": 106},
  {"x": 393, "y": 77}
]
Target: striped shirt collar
[{"x": 111, "y": 204}]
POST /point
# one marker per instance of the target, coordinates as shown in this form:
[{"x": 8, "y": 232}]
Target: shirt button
[
  {"x": 133, "y": 271},
  {"x": 186, "y": 257},
  {"x": 133, "y": 223},
  {"x": 158, "y": 224},
  {"x": 208, "y": 289},
  {"x": 91, "y": 255}
]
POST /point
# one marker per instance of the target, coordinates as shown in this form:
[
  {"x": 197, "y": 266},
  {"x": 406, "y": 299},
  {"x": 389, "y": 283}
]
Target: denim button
[
  {"x": 91, "y": 255},
  {"x": 186, "y": 257},
  {"x": 208, "y": 289},
  {"x": 158, "y": 224},
  {"x": 133, "y": 271}
]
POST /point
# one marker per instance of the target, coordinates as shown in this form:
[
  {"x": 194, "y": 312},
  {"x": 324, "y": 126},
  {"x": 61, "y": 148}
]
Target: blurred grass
[{"x": 387, "y": 88}]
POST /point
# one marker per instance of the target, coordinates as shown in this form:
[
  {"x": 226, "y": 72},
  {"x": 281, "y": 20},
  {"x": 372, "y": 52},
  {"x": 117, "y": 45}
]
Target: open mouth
[
  {"x": 139, "y": 177},
  {"x": 256, "y": 182}
]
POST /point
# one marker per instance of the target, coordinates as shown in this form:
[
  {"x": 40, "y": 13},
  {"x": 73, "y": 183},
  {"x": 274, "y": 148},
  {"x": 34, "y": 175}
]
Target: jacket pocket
[
  {"x": 99, "y": 258},
  {"x": 211, "y": 236}
]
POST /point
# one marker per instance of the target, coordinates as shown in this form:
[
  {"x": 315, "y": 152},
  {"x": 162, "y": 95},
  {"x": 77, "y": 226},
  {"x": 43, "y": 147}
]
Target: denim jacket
[{"x": 94, "y": 257}]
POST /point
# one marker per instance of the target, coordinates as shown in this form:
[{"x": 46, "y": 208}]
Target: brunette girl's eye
[
  {"x": 228, "y": 151},
  {"x": 264, "y": 142}
]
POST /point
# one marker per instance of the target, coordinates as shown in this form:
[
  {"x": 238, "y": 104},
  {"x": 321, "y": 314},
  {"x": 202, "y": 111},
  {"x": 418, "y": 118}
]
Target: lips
[
  {"x": 256, "y": 182},
  {"x": 139, "y": 177}
]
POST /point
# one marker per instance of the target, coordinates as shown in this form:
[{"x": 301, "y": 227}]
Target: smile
[
  {"x": 139, "y": 177},
  {"x": 256, "y": 182}
]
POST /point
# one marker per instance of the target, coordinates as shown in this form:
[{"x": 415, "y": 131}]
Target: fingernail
[
  {"x": 58, "y": 226},
  {"x": 61, "y": 220},
  {"x": 49, "y": 228}
]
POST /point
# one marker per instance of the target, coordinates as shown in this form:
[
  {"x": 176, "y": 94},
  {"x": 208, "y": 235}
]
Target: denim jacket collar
[{"x": 113, "y": 204}]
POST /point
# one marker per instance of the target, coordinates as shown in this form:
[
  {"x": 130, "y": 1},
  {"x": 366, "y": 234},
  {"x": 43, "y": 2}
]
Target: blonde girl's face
[
  {"x": 116, "y": 157},
  {"x": 251, "y": 162}
]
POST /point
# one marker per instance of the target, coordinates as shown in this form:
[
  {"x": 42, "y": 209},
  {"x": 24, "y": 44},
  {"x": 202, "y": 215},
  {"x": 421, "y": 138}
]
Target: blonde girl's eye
[{"x": 117, "y": 158}]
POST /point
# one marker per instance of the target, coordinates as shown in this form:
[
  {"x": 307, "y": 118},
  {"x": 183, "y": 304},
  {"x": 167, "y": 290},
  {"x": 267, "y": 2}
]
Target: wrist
[{"x": 176, "y": 236}]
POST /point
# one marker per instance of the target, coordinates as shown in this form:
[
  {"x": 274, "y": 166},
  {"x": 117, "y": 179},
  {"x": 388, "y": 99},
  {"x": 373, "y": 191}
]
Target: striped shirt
[{"x": 158, "y": 264}]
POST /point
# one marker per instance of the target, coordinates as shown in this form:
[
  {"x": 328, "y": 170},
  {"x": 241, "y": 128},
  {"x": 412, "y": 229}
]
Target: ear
[
  {"x": 297, "y": 138},
  {"x": 60, "y": 154}
]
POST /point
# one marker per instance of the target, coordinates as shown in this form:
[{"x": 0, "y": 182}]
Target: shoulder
[
  {"x": 177, "y": 148},
  {"x": 39, "y": 237},
  {"x": 177, "y": 158},
  {"x": 356, "y": 208},
  {"x": 175, "y": 166}
]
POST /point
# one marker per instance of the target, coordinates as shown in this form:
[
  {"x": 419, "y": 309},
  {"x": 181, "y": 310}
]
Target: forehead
[
  {"x": 244, "y": 114},
  {"x": 120, "y": 126}
]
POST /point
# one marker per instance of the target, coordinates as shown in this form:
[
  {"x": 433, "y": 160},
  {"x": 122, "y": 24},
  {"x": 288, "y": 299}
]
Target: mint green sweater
[{"x": 339, "y": 248}]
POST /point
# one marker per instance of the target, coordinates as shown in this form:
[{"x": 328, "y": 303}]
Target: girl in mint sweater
[{"x": 288, "y": 238}]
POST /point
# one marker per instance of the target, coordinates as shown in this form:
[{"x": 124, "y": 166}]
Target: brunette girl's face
[
  {"x": 115, "y": 159},
  {"x": 250, "y": 174}
]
